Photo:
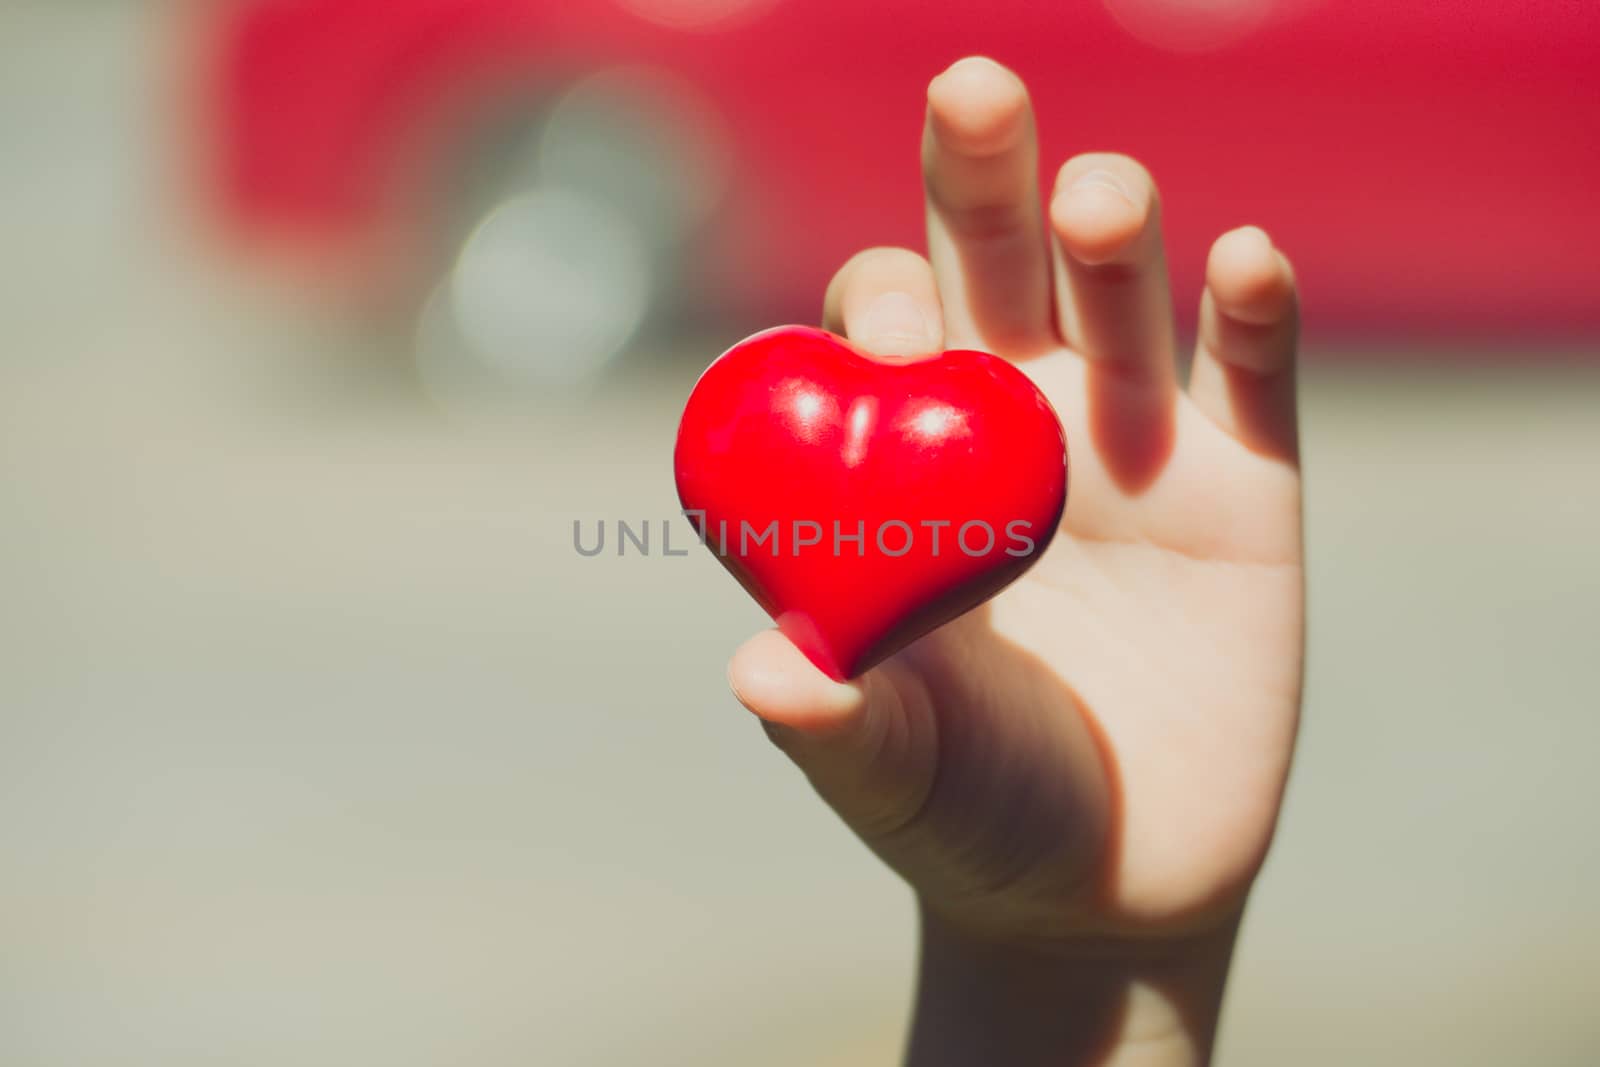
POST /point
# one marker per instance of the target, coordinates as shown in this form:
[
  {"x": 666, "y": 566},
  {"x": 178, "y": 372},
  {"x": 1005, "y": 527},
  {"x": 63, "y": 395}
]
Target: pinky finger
[{"x": 1243, "y": 377}]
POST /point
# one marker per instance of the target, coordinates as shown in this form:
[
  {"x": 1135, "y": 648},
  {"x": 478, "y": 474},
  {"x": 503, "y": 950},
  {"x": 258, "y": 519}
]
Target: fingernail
[
  {"x": 1257, "y": 237},
  {"x": 894, "y": 325},
  {"x": 1102, "y": 179}
]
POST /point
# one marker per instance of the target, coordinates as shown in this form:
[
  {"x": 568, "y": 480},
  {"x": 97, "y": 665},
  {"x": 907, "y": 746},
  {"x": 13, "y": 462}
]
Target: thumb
[{"x": 869, "y": 746}]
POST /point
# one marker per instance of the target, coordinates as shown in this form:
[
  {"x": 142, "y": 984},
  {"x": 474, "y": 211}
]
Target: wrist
[{"x": 1101, "y": 1002}]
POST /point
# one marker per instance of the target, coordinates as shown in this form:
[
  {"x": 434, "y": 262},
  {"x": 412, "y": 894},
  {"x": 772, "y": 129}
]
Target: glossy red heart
[{"x": 862, "y": 501}]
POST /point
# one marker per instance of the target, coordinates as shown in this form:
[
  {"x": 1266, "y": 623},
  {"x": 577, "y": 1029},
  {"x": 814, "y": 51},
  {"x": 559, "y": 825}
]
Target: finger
[
  {"x": 885, "y": 300},
  {"x": 867, "y": 746},
  {"x": 1243, "y": 376},
  {"x": 980, "y": 161},
  {"x": 1113, "y": 302},
  {"x": 1114, "y": 307}
]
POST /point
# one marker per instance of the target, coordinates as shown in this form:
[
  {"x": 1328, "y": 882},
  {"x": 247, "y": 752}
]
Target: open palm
[{"x": 1101, "y": 750}]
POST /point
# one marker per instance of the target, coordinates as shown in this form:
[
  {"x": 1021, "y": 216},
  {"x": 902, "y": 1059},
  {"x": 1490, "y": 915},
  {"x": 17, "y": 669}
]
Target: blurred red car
[{"x": 1431, "y": 167}]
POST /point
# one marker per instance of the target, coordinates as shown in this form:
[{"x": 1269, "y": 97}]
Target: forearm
[{"x": 1155, "y": 1005}]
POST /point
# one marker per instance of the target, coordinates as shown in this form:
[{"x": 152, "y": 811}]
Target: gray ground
[{"x": 320, "y": 745}]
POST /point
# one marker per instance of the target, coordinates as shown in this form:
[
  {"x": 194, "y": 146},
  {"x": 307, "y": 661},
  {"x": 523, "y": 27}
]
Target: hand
[{"x": 1081, "y": 778}]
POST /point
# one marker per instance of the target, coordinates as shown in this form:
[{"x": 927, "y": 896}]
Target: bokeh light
[
  {"x": 642, "y": 140},
  {"x": 551, "y": 285},
  {"x": 1189, "y": 25},
  {"x": 696, "y": 14}
]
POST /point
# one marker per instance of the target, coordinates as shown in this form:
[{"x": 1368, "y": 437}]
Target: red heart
[{"x": 951, "y": 469}]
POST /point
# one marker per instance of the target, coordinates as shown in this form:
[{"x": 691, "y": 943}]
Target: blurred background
[{"x": 321, "y": 321}]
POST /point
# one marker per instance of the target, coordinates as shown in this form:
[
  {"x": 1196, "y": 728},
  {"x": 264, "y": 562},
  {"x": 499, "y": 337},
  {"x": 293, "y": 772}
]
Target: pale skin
[{"x": 1080, "y": 779}]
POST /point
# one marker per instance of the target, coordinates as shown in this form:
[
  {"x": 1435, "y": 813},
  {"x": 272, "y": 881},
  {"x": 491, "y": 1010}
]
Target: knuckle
[{"x": 986, "y": 223}]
